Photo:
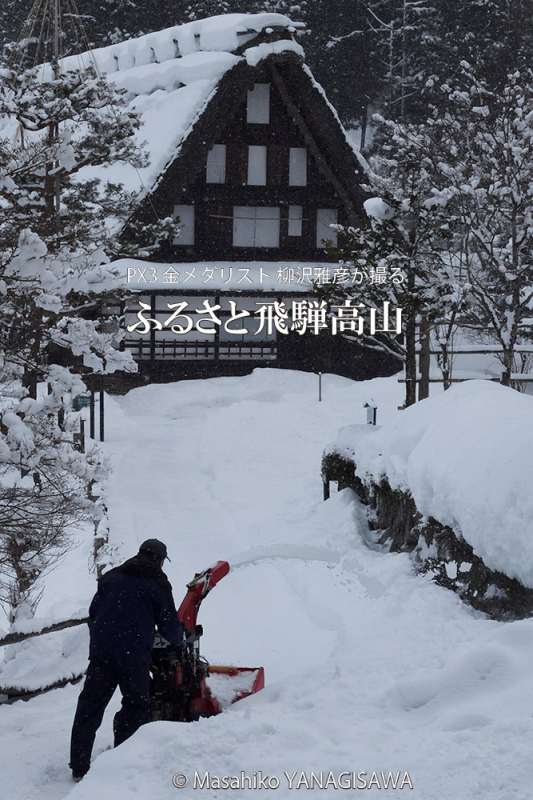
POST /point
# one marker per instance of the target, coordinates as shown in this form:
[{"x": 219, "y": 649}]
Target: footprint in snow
[{"x": 463, "y": 722}]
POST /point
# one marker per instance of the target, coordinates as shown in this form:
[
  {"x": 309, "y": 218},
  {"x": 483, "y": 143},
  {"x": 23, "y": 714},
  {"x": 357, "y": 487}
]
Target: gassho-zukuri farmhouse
[{"x": 246, "y": 151}]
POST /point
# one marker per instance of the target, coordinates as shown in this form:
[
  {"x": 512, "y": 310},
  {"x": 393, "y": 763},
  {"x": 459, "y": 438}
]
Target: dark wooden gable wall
[{"x": 299, "y": 117}]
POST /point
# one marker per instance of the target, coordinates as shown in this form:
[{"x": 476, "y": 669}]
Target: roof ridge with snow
[{"x": 224, "y": 33}]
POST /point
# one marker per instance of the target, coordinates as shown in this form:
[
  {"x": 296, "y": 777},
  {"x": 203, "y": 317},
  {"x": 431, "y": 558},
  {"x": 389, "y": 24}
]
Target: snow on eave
[
  {"x": 159, "y": 173},
  {"x": 363, "y": 163},
  {"x": 258, "y": 53}
]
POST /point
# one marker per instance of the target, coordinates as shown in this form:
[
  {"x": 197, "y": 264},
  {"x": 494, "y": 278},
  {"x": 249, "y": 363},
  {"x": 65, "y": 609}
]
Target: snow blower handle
[{"x": 197, "y": 589}]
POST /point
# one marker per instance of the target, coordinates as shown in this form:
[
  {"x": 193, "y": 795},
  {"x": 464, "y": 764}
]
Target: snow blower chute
[{"x": 184, "y": 686}]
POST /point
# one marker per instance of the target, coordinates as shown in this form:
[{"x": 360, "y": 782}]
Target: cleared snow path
[{"x": 368, "y": 666}]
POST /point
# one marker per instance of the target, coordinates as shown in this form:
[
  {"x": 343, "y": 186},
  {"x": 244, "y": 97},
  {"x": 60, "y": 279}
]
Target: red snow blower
[{"x": 184, "y": 686}]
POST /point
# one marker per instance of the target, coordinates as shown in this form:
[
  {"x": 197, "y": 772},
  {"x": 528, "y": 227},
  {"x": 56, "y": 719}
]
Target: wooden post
[
  {"x": 424, "y": 358},
  {"x": 102, "y": 409},
  {"x": 319, "y": 387},
  {"x": 91, "y": 416},
  {"x": 371, "y": 414}
]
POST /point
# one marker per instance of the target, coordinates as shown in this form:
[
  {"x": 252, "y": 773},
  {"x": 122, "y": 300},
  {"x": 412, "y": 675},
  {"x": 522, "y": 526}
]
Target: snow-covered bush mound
[
  {"x": 466, "y": 457},
  {"x": 46, "y": 660}
]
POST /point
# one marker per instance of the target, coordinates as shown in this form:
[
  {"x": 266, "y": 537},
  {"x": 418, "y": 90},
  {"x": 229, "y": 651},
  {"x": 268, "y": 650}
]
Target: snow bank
[
  {"x": 226, "y": 687},
  {"x": 36, "y": 624},
  {"x": 466, "y": 457},
  {"x": 42, "y": 662},
  {"x": 368, "y": 665}
]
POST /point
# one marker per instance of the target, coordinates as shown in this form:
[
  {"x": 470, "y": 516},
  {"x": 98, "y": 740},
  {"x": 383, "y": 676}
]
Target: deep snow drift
[
  {"x": 368, "y": 666},
  {"x": 466, "y": 457}
]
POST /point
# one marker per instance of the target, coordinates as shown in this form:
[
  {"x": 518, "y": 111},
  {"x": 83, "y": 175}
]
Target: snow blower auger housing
[{"x": 184, "y": 686}]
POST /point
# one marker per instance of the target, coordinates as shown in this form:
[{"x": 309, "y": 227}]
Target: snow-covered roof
[
  {"x": 170, "y": 76},
  {"x": 220, "y": 34}
]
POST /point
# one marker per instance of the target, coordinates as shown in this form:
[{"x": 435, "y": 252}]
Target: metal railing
[{"x": 190, "y": 350}]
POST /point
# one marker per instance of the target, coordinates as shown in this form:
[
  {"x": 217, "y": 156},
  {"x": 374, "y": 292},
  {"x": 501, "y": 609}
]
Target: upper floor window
[
  {"x": 298, "y": 166},
  {"x": 258, "y": 106},
  {"x": 256, "y": 226},
  {"x": 216, "y": 164},
  {"x": 324, "y": 233},
  {"x": 257, "y": 165},
  {"x": 185, "y": 215},
  {"x": 295, "y": 220}
]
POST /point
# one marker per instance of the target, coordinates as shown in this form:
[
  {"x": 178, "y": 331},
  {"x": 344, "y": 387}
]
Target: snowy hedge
[
  {"x": 466, "y": 459},
  {"x": 45, "y": 662}
]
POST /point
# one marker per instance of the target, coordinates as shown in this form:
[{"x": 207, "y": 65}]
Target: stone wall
[{"x": 435, "y": 548}]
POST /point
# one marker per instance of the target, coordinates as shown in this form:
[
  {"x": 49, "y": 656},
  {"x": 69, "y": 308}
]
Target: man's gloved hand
[{"x": 176, "y": 652}]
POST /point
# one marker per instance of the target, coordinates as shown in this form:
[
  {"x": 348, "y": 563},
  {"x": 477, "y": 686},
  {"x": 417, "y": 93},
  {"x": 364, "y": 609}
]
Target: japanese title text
[
  {"x": 190, "y": 275},
  {"x": 300, "y": 316}
]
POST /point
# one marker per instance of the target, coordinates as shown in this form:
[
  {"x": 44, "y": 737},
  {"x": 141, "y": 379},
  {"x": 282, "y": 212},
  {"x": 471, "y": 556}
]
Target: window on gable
[
  {"x": 257, "y": 165},
  {"x": 324, "y": 218},
  {"x": 216, "y": 164},
  {"x": 298, "y": 166},
  {"x": 295, "y": 220},
  {"x": 185, "y": 214},
  {"x": 256, "y": 226},
  {"x": 258, "y": 106}
]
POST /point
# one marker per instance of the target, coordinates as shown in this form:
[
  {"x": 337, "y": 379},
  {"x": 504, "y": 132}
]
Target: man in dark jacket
[{"x": 132, "y": 600}]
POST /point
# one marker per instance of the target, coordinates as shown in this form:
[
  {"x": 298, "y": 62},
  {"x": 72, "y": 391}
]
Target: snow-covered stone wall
[{"x": 450, "y": 479}]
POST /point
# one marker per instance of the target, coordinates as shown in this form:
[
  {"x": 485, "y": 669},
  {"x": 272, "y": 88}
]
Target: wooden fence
[{"x": 425, "y": 352}]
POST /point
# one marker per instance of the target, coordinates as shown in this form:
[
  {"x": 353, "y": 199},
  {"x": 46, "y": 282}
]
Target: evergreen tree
[
  {"x": 403, "y": 242},
  {"x": 377, "y": 53},
  {"x": 454, "y": 211},
  {"x": 483, "y": 152},
  {"x": 54, "y": 237},
  {"x": 494, "y": 35},
  {"x": 12, "y": 15},
  {"x": 207, "y": 8}
]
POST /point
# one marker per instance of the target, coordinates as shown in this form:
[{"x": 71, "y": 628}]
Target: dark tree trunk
[
  {"x": 424, "y": 359},
  {"x": 410, "y": 361}
]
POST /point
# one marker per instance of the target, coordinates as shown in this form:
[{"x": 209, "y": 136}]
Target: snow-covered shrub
[{"x": 56, "y": 230}]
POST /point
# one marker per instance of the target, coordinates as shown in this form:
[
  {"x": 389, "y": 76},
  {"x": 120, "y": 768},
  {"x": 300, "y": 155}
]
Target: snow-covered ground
[{"x": 368, "y": 665}]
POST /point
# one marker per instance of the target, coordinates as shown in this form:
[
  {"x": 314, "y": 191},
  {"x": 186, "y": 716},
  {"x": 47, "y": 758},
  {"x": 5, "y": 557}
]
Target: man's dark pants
[{"x": 132, "y": 676}]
